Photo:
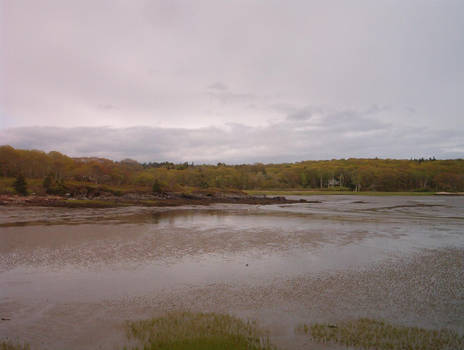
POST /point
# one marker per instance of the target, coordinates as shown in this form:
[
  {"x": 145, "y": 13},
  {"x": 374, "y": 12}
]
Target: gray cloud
[
  {"x": 218, "y": 86},
  {"x": 305, "y": 74},
  {"x": 343, "y": 133},
  {"x": 229, "y": 97},
  {"x": 301, "y": 114}
]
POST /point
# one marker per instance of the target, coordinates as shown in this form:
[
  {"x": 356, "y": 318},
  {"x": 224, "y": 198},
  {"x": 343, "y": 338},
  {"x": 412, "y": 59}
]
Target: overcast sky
[{"x": 234, "y": 81}]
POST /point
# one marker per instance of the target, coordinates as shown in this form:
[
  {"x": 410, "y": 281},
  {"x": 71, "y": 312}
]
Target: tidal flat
[{"x": 70, "y": 278}]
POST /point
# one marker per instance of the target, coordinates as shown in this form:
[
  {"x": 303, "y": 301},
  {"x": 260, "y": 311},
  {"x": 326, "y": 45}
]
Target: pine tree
[
  {"x": 20, "y": 185},
  {"x": 157, "y": 187}
]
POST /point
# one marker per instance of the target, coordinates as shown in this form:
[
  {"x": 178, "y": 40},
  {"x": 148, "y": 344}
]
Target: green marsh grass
[
  {"x": 186, "y": 330},
  {"x": 372, "y": 334},
  {"x": 8, "y": 345},
  {"x": 330, "y": 192}
]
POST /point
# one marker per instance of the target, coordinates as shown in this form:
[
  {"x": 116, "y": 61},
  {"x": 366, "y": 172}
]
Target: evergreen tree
[
  {"x": 20, "y": 185},
  {"x": 157, "y": 187},
  {"x": 47, "y": 182}
]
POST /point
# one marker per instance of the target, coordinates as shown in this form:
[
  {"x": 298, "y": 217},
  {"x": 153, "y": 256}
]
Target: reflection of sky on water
[{"x": 116, "y": 253}]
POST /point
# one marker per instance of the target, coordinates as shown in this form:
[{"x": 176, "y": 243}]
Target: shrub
[{"x": 20, "y": 185}]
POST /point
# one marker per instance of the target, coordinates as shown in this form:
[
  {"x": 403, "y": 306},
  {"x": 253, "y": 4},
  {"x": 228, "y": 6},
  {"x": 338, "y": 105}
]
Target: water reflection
[
  {"x": 322, "y": 256},
  {"x": 331, "y": 232}
]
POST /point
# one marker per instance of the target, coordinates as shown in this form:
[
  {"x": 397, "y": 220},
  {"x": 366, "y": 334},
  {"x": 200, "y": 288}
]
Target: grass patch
[
  {"x": 372, "y": 334},
  {"x": 120, "y": 190},
  {"x": 319, "y": 193},
  {"x": 186, "y": 330},
  {"x": 7, "y": 345}
]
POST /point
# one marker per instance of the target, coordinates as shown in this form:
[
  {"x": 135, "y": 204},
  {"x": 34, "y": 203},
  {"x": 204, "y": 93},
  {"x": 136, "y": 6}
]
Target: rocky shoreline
[{"x": 141, "y": 199}]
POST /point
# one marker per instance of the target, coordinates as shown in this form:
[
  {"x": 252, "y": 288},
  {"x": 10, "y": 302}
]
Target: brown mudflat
[{"x": 70, "y": 278}]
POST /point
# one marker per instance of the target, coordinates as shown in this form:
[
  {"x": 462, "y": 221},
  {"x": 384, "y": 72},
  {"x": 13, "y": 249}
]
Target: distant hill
[{"x": 349, "y": 174}]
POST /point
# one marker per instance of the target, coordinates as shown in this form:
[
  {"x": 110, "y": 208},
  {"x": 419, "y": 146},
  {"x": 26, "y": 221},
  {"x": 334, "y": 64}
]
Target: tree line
[{"x": 57, "y": 169}]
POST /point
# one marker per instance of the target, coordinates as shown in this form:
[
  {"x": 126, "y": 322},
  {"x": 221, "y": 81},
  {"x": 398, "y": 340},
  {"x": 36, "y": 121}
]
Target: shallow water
[{"x": 398, "y": 258}]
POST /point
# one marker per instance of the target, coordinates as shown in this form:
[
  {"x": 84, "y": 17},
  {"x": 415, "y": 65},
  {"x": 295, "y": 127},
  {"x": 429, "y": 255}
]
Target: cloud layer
[
  {"x": 232, "y": 80},
  {"x": 310, "y": 133}
]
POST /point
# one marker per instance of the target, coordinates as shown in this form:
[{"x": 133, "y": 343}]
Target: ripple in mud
[{"x": 424, "y": 290}]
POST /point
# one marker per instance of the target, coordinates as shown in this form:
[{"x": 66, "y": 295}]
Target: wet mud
[{"x": 70, "y": 278}]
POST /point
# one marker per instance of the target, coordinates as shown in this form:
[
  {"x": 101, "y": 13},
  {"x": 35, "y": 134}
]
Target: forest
[{"x": 56, "y": 173}]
